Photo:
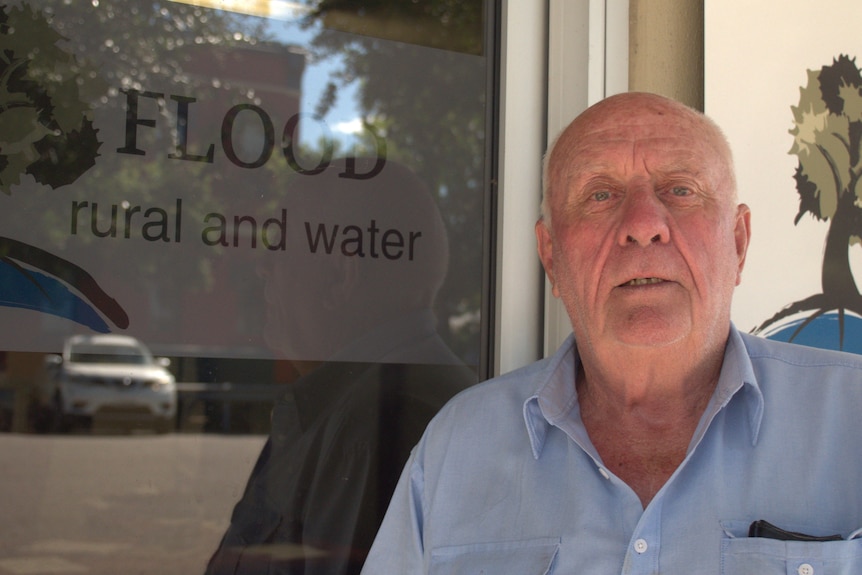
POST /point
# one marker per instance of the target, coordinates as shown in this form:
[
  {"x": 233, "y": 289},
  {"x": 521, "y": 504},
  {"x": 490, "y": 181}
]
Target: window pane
[{"x": 243, "y": 261}]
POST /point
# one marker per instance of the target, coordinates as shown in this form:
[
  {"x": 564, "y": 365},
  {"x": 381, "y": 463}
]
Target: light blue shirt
[{"x": 506, "y": 481}]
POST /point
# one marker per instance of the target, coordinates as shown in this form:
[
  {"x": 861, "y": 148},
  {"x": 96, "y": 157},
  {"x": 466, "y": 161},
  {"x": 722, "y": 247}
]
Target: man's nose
[{"x": 644, "y": 219}]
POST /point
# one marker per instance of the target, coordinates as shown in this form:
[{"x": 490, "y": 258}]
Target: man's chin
[{"x": 650, "y": 334}]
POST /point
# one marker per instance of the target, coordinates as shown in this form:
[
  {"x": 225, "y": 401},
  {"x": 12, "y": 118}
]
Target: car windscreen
[{"x": 108, "y": 354}]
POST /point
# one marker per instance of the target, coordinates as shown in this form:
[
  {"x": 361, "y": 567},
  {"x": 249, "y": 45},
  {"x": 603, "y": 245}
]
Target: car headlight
[{"x": 157, "y": 384}]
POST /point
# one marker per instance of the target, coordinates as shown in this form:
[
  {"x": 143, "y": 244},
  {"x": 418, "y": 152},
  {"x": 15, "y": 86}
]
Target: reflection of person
[
  {"x": 658, "y": 434},
  {"x": 359, "y": 254},
  {"x": 350, "y": 304}
]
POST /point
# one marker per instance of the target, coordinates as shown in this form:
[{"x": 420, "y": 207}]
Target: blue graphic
[
  {"x": 36, "y": 291},
  {"x": 32, "y": 278},
  {"x": 823, "y": 332}
]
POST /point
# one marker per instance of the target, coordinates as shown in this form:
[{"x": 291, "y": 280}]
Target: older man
[{"x": 658, "y": 439}]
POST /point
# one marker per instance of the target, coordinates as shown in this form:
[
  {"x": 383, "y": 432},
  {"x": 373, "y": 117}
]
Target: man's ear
[
  {"x": 545, "y": 245},
  {"x": 742, "y": 235}
]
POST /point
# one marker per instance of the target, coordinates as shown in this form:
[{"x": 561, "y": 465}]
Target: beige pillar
[{"x": 666, "y": 49}]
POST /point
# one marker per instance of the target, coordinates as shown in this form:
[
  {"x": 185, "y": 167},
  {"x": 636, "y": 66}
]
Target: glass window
[{"x": 244, "y": 258}]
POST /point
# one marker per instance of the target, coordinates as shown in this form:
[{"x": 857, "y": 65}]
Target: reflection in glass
[
  {"x": 170, "y": 171},
  {"x": 102, "y": 379},
  {"x": 341, "y": 432}
]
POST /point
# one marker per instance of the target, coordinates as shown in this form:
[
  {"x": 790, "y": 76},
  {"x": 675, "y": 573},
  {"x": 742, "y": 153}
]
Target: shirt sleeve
[{"x": 399, "y": 547}]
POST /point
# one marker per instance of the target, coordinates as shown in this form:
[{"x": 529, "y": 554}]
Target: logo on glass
[{"x": 46, "y": 132}]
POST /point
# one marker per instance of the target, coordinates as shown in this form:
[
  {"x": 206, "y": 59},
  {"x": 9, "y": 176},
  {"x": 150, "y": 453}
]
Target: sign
[
  {"x": 783, "y": 80},
  {"x": 165, "y": 174}
]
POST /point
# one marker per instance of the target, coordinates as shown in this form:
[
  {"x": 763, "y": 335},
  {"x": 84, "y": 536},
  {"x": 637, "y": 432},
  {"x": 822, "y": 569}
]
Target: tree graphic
[
  {"x": 827, "y": 140},
  {"x": 45, "y": 130},
  {"x": 58, "y": 64}
]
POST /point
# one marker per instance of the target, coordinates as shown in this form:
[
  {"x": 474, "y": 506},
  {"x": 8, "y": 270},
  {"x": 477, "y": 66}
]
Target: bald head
[{"x": 632, "y": 112}]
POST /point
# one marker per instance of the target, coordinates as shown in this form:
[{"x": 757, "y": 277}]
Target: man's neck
[{"x": 642, "y": 425}]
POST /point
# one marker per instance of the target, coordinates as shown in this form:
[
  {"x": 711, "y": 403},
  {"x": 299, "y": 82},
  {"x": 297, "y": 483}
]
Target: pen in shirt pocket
[{"x": 763, "y": 528}]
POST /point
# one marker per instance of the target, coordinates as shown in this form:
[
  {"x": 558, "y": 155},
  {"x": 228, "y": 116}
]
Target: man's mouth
[{"x": 642, "y": 282}]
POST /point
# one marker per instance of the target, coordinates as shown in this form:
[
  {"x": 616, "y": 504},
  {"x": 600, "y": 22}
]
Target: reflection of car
[{"x": 111, "y": 379}]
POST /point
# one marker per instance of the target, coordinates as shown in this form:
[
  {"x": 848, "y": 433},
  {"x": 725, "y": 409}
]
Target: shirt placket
[{"x": 642, "y": 553}]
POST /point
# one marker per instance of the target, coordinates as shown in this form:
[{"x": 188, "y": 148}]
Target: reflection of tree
[
  {"x": 139, "y": 44},
  {"x": 448, "y": 24},
  {"x": 45, "y": 128},
  {"x": 828, "y": 141},
  {"x": 117, "y": 46},
  {"x": 46, "y": 131},
  {"x": 430, "y": 110},
  {"x": 433, "y": 115}
]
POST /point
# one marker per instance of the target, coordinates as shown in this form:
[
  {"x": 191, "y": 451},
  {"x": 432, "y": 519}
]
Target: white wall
[{"x": 757, "y": 55}]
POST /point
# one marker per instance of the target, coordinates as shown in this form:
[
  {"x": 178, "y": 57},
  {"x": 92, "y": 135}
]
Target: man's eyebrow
[
  {"x": 678, "y": 170},
  {"x": 590, "y": 163},
  {"x": 680, "y": 165}
]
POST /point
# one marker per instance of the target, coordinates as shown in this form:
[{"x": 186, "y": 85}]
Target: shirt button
[
  {"x": 805, "y": 569},
  {"x": 641, "y": 547},
  {"x": 603, "y": 472}
]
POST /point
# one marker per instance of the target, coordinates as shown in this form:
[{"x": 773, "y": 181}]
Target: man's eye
[
  {"x": 680, "y": 191},
  {"x": 602, "y": 196}
]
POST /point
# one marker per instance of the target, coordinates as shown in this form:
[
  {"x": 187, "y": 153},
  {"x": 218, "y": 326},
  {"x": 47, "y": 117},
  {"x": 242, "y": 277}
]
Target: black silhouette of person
[{"x": 350, "y": 299}]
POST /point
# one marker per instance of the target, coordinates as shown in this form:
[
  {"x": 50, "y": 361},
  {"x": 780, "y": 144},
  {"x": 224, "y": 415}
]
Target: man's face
[{"x": 645, "y": 243}]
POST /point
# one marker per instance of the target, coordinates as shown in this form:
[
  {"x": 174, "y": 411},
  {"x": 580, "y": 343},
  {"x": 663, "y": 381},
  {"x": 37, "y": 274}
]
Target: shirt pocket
[
  {"x": 525, "y": 557},
  {"x": 742, "y": 555}
]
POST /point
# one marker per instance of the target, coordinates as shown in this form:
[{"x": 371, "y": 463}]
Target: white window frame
[{"x": 557, "y": 58}]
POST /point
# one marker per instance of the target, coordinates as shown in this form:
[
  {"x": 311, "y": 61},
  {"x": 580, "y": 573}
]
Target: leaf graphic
[
  {"x": 827, "y": 167},
  {"x": 64, "y": 157},
  {"x": 808, "y": 196},
  {"x": 45, "y": 127},
  {"x": 852, "y": 98},
  {"x": 826, "y": 136},
  {"x": 19, "y": 130},
  {"x": 809, "y": 116},
  {"x": 841, "y": 73}
]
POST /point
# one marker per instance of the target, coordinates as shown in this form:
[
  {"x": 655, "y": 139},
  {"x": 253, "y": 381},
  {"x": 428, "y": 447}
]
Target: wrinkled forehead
[
  {"x": 615, "y": 155},
  {"x": 621, "y": 141}
]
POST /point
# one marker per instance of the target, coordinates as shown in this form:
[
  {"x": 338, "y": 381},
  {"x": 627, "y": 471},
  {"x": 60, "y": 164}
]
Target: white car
[{"x": 111, "y": 380}]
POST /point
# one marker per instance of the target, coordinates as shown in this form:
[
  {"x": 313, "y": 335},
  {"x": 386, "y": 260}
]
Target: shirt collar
[{"x": 554, "y": 402}]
